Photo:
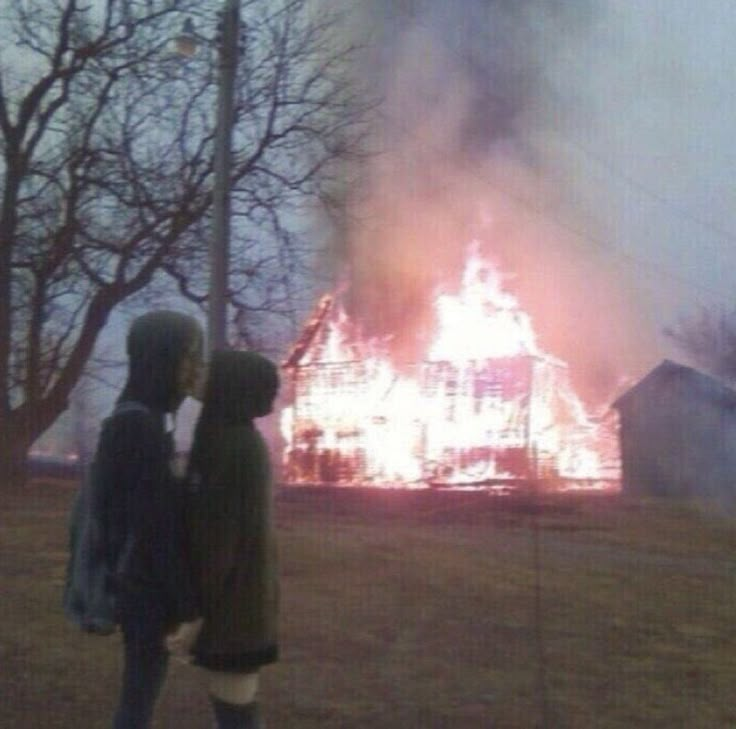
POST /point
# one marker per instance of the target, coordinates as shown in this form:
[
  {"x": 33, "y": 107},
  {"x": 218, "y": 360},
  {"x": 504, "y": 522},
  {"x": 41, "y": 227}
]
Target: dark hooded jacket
[
  {"x": 230, "y": 516},
  {"x": 142, "y": 499}
]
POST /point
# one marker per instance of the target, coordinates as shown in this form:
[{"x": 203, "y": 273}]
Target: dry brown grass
[{"x": 417, "y": 610}]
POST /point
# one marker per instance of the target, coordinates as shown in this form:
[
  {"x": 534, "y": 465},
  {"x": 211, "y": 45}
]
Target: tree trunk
[{"x": 13, "y": 459}]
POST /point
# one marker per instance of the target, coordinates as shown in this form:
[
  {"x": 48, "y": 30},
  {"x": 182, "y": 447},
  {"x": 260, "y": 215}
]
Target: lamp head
[{"x": 187, "y": 42}]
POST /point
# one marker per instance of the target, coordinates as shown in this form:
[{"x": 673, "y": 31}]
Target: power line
[
  {"x": 578, "y": 235},
  {"x": 663, "y": 200},
  {"x": 608, "y": 246}
]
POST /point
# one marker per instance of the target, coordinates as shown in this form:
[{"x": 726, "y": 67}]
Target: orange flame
[{"x": 486, "y": 405}]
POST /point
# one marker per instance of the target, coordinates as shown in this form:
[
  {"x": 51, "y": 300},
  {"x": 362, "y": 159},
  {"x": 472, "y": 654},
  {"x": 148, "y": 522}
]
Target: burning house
[{"x": 485, "y": 406}]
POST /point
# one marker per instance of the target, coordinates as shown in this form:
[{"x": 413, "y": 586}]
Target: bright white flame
[
  {"x": 482, "y": 321},
  {"x": 486, "y": 403}
]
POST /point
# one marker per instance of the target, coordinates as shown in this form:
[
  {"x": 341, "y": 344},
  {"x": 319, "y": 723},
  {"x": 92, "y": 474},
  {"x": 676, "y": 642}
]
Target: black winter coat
[
  {"x": 234, "y": 553},
  {"x": 142, "y": 498}
]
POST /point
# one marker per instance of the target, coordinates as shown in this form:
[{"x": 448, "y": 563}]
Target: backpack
[{"x": 89, "y": 599}]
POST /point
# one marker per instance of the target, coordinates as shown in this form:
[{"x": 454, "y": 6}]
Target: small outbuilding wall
[{"x": 678, "y": 435}]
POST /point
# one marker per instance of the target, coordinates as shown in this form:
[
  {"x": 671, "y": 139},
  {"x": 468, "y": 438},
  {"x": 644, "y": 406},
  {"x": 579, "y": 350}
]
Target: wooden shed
[{"x": 678, "y": 435}]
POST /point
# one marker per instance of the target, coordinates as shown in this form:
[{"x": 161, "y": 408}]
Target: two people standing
[{"x": 199, "y": 574}]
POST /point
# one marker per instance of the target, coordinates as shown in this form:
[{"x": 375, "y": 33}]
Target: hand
[{"x": 179, "y": 642}]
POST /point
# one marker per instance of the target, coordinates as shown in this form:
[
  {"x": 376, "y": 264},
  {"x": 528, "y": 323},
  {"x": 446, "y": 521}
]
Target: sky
[
  {"x": 648, "y": 146},
  {"x": 588, "y": 143}
]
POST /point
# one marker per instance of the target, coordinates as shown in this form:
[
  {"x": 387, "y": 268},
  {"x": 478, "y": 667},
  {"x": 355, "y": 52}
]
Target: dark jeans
[{"x": 143, "y": 675}]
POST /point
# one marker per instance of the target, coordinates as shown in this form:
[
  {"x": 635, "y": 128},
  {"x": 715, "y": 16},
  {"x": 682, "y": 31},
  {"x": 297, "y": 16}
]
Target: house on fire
[
  {"x": 678, "y": 435},
  {"x": 356, "y": 418}
]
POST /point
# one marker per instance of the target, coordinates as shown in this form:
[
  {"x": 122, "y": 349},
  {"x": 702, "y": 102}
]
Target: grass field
[{"x": 405, "y": 610}]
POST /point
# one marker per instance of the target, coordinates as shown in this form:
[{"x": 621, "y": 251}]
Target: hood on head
[
  {"x": 157, "y": 344},
  {"x": 240, "y": 386}
]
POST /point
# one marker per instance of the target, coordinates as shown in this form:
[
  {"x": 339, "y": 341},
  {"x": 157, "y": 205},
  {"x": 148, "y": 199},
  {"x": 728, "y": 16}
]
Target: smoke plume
[{"x": 486, "y": 108}]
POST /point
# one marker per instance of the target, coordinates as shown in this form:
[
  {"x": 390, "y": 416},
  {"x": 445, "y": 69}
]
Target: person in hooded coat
[
  {"x": 232, "y": 534},
  {"x": 144, "y": 506}
]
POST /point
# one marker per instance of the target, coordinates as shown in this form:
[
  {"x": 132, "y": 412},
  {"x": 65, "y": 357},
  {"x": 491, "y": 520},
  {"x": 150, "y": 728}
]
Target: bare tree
[
  {"x": 708, "y": 338},
  {"x": 106, "y": 166}
]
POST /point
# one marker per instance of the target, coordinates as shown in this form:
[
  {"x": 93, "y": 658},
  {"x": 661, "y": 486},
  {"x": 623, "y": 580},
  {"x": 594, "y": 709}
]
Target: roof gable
[{"x": 696, "y": 382}]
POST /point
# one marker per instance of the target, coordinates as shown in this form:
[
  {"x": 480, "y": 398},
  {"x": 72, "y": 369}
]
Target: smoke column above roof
[{"x": 493, "y": 122}]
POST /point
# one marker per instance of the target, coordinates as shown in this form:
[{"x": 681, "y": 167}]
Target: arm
[{"x": 171, "y": 553}]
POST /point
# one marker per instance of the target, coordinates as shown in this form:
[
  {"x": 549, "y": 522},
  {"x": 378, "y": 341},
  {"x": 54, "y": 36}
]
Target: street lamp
[{"x": 186, "y": 44}]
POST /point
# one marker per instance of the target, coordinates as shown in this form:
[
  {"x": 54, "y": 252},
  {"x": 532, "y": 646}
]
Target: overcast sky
[
  {"x": 589, "y": 142},
  {"x": 649, "y": 142}
]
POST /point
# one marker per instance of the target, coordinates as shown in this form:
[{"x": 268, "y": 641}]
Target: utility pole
[{"x": 220, "y": 242}]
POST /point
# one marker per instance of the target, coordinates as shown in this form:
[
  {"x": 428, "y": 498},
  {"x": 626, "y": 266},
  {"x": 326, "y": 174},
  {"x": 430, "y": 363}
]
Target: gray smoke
[{"x": 562, "y": 135}]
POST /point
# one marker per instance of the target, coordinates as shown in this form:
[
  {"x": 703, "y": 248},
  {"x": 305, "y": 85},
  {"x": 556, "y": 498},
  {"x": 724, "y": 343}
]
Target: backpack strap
[{"x": 126, "y": 551}]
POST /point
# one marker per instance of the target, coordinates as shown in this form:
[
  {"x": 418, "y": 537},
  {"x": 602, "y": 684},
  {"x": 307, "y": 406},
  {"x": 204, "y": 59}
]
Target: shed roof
[{"x": 698, "y": 383}]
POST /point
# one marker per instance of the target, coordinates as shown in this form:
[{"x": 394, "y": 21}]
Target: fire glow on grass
[{"x": 486, "y": 405}]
